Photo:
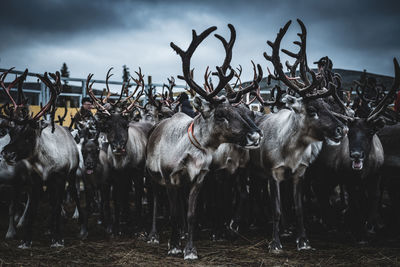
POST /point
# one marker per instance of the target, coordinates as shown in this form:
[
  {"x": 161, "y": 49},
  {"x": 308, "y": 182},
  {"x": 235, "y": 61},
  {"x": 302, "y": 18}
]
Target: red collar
[{"x": 192, "y": 138}]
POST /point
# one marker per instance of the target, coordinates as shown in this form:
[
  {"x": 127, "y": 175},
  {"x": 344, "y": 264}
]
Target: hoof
[
  {"x": 190, "y": 254},
  {"x": 287, "y": 233},
  {"x": 57, "y": 244},
  {"x": 234, "y": 226},
  {"x": 11, "y": 234},
  {"x": 362, "y": 242},
  {"x": 99, "y": 222},
  {"x": 109, "y": 230},
  {"x": 83, "y": 235},
  {"x": 214, "y": 237},
  {"x": 25, "y": 245},
  {"x": 303, "y": 243},
  {"x": 174, "y": 251},
  {"x": 275, "y": 247},
  {"x": 153, "y": 239}
]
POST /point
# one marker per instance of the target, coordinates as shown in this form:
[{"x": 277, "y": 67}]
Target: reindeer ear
[
  {"x": 203, "y": 106},
  {"x": 292, "y": 102},
  {"x": 378, "y": 124}
]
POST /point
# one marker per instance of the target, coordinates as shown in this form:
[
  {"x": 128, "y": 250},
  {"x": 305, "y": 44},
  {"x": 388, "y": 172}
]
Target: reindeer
[
  {"x": 7, "y": 171},
  {"x": 286, "y": 149},
  {"x": 156, "y": 110},
  {"x": 180, "y": 148},
  {"x": 95, "y": 173},
  {"x": 125, "y": 152},
  {"x": 356, "y": 164},
  {"x": 389, "y": 137},
  {"x": 35, "y": 148}
]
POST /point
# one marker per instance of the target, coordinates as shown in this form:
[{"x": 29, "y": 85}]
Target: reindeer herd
[{"x": 225, "y": 167}]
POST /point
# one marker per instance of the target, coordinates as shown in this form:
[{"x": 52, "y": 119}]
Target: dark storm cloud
[{"x": 355, "y": 34}]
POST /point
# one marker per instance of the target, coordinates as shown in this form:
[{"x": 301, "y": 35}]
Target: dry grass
[{"x": 248, "y": 250}]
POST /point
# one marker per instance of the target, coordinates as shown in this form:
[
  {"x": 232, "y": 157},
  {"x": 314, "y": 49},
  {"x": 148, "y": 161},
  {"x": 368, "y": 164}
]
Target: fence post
[{"x": 83, "y": 93}]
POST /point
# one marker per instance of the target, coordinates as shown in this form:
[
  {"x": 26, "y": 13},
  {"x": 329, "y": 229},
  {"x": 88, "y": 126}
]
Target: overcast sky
[{"x": 92, "y": 36}]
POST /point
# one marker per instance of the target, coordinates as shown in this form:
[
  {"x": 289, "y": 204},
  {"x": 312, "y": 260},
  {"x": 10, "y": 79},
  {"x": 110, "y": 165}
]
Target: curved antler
[
  {"x": 105, "y": 100},
  {"x": 186, "y": 56},
  {"x": 96, "y": 102},
  {"x": 252, "y": 86},
  {"x": 18, "y": 80},
  {"x": 304, "y": 89},
  {"x": 389, "y": 96},
  {"x": 55, "y": 90},
  {"x": 139, "y": 83}
]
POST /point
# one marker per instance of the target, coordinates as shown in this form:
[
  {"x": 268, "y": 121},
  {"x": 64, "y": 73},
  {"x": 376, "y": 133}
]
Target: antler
[
  {"x": 96, "y": 101},
  {"x": 389, "y": 96},
  {"x": 186, "y": 56},
  {"x": 105, "y": 100},
  {"x": 171, "y": 83},
  {"x": 275, "y": 96},
  {"x": 55, "y": 90},
  {"x": 363, "y": 86},
  {"x": 252, "y": 86},
  {"x": 139, "y": 83},
  {"x": 7, "y": 89},
  {"x": 124, "y": 87},
  {"x": 304, "y": 89},
  {"x": 333, "y": 81},
  {"x": 62, "y": 118},
  {"x": 229, "y": 89},
  {"x": 168, "y": 97}
]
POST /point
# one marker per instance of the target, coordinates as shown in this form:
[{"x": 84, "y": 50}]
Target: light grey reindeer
[
  {"x": 126, "y": 150},
  {"x": 180, "y": 148},
  {"x": 37, "y": 144},
  {"x": 286, "y": 148}
]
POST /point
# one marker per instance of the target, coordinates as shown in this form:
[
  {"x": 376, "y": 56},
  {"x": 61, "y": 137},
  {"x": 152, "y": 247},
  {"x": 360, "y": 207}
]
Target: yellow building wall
[{"x": 60, "y": 112}]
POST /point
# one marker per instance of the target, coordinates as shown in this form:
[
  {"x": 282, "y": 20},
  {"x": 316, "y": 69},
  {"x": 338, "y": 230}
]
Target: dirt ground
[{"x": 246, "y": 250}]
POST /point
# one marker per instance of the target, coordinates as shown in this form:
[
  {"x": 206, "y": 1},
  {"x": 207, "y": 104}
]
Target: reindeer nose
[
  {"x": 9, "y": 155},
  {"x": 357, "y": 154}
]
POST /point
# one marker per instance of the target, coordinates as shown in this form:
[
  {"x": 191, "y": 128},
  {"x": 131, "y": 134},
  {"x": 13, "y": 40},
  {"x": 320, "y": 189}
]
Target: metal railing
[{"x": 44, "y": 92}]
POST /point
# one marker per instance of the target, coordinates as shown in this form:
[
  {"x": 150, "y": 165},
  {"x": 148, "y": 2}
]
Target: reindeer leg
[
  {"x": 11, "y": 233},
  {"x": 243, "y": 199},
  {"x": 355, "y": 213},
  {"x": 31, "y": 214},
  {"x": 174, "y": 242},
  {"x": 153, "y": 236},
  {"x": 275, "y": 246},
  {"x": 22, "y": 219},
  {"x": 190, "y": 252},
  {"x": 286, "y": 207},
  {"x": 57, "y": 193},
  {"x": 139, "y": 185},
  {"x": 374, "y": 194},
  {"x": 105, "y": 198},
  {"x": 302, "y": 241},
  {"x": 83, "y": 218},
  {"x": 116, "y": 195},
  {"x": 125, "y": 186}
]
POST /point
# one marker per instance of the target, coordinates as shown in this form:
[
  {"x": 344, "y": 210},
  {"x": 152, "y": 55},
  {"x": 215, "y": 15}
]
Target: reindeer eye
[
  {"x": 312, "y": 112},
  {"x": 222, "y": 119}
]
